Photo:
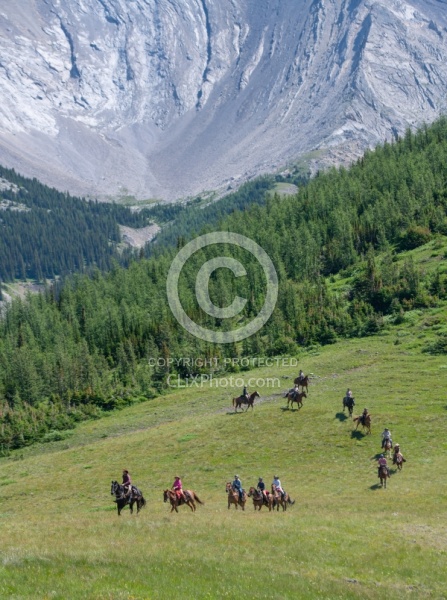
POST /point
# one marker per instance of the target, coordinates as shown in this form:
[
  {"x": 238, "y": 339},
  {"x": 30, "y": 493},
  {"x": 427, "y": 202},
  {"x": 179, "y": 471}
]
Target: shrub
[{"x": 414, "y": 237}]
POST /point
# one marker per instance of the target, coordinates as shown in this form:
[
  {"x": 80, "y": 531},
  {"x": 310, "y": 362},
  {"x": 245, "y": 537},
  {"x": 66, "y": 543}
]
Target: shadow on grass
[
  {"x": 376, "y": 486},
  {"x": 341, "y": 417},
  {"x": 291, "y": 409},
  {"x": 357, "y": 435}
]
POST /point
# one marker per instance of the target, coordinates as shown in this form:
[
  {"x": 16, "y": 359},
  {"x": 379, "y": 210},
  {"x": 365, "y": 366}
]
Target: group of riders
[
  {"x": 386, "y": 437},
  {"x": 236, "y": 486},
  {"x": 295, "y": 390},
  {"x": 397, "y": 454}
]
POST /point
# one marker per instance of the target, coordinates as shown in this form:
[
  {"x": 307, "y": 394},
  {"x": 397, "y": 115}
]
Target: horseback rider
[
  {"x": 365, "y": 415},
  {"x": 127, "y": 483},
  {"x": 397, "y": 454},
  {"x": 301, "y": 376},
  {"x": 293, "y": 392},
  {"x": 277, "y": 483},
  {"x": 237, "y": 485},
  {"x": 178, "y": 488},
  {"x": 261, "y": 487},
  {"x": 349, "y": 394},
  {"x": 245, "y": 392},
  {"x": 382, "y": 463},
  {"x": 386, "y": 435}
]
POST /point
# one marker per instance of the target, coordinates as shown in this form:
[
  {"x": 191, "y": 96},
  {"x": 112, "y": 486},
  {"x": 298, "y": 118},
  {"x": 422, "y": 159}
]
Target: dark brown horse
[
  {"x": 233, "y": 496},
  {"x": 281, "y": 499},
  {"x": 238, "y": 402},
  {"x": 297, "y": 397},
  {"x": 122, "y": 499},
  {"x": 383, "y": 474},
  {"x": 303, "y": 382},
  {"x": 190, "y": 499},
  {"x": 365, "y": 423},
  {"x": 348, "y": 403},
  {"x": 260, "y": 500}
]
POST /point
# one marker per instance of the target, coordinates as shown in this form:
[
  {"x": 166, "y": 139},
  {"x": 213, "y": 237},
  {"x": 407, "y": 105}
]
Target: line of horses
[
  {"x": 292, "y": 395},
  {"x": 271, "y": 500}
]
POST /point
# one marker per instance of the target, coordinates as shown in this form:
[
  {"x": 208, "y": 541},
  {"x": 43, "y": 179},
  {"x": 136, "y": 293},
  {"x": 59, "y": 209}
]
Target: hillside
[
  {"x": 169, "y": 99},
  {"x": 343, "y": 538},
  {"x": 46, "y": 233},
  {"x": 355, "y": 253}
]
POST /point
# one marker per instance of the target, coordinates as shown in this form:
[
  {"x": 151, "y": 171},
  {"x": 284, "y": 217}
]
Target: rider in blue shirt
[{"x": 237, "y": 486}]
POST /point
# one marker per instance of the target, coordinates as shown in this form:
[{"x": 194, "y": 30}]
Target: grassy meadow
[{"x": 345, "y": 537}]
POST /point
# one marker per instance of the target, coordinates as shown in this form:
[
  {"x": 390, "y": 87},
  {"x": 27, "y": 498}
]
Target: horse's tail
[
  {"x": 142, "y": 501},
  {"x": 197, "y": 498},
  {"x": 290, "y": 501}
]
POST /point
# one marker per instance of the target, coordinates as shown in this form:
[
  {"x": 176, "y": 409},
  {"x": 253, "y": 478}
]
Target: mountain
[{"x": 168, "y": 98}]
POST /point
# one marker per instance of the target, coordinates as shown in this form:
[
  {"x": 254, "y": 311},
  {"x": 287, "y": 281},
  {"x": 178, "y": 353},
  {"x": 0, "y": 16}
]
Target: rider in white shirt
[
  {"x": 277, "y": 483},
  {"x": 386, "y": 435}
]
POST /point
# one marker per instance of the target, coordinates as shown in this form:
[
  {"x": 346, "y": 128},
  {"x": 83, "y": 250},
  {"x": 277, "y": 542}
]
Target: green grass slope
[{"x": 344, "y": 537}]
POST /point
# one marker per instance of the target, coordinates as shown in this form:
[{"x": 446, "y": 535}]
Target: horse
[
  {"x": 297, "y": 397},
  {"x": 190, "y": 499},
  {"x": 366, "y": 423},
  {"x": 398, "y": 460},
  {"x": 349, "y": 403},
  {"x": 260, "y": 500},
  {"x": 383, "y": 474},
  {"x": 238, "y": 402},
  {"x": 281, "y": 499},
  {"x": 122, "y": 499},
  {"x": 387, "y": 445},
  {"x": 303, "y": 382},
  {"x": 233, "y": 496}
]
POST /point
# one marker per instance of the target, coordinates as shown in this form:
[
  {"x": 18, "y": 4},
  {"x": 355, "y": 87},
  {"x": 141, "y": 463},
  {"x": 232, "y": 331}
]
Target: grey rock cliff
[{"x": 168, "y": 98}]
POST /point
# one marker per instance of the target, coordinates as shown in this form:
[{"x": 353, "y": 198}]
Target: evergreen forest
[{"x": 342, "y": 248}]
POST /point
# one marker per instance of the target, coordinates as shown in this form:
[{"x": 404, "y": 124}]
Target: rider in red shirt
[{"x": 127, "y": 483}]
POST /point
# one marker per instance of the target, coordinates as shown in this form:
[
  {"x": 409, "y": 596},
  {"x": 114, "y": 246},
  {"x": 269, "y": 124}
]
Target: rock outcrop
[{"x": 168, "y": 98}]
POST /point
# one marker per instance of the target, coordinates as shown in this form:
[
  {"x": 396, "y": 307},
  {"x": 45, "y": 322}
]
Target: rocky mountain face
[{"x": 168, "y": 98}]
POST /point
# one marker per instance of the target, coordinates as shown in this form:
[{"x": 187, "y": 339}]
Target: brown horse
[
  {"x": 281, "y": 499},
  {"x": 190, "y": 499},
  {"x": 295, "y": 397},
  {"x": 365, "y": 423},
  {"x": 383, "y": 474},
  {"x": 387, "y": 448},
  {"x": 238, "y": 402},
  {"x": 233, "y": 497},
  {"x": 260, "y": 500},
  {"x": 398, "y": 459},
  {"x": 304, "y": 383}
]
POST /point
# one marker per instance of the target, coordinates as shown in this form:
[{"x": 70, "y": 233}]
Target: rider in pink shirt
[
  {"x": 382, "y": 463},
  {"x": 178, "y": 488}
]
